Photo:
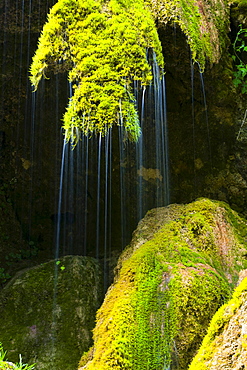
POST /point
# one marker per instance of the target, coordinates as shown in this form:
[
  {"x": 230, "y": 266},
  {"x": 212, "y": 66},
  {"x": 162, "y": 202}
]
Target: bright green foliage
[
  {"x": 168, "y": 289},
  {"x": 240, "y": 51},
  {"x": 191, "y": 23},
  {"x": 104, "y": 46},
  {"x": 4, "y": 365}
]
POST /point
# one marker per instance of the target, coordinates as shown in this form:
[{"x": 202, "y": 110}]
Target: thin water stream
[
  {"x": 106, "y": 188},
  {"x": 206, "y": 115},
  {"x": 95, "y": 194}
]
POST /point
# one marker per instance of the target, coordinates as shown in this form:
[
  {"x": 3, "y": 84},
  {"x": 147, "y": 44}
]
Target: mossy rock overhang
[
  {"x": 180, "y": 267},
  {"x": 106, "y": 46}
]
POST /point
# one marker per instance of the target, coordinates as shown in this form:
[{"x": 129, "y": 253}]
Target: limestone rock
[
  {"x": 47, "y": 312},
  {"x": 225, "y": 345}
]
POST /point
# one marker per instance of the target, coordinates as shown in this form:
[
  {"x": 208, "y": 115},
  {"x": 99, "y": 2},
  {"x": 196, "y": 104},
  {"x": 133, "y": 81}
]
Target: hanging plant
[
  {"x": 104, "y": 48},
  {"x": 204, "y": 22}
]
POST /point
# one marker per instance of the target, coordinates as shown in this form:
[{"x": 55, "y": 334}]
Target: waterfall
[
  {"x": 108, "y": 184},
  {"x": 206, "y": 115},
  {"x": 88, "y": 198},
  {"x": 20, "y": 110}
]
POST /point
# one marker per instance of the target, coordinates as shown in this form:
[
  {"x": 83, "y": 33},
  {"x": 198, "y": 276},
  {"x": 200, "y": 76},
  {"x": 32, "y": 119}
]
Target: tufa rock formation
[{"x": 178, "y": 270}]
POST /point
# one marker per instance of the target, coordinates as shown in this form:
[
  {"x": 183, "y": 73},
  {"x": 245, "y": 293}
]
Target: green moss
[
  {"x": 168, "y": 289},
  {"x": 241, "y": 3},
  {"x": 47, "y": 314},
  {"x": 219, "y": 322},
  {"x": 205, "y": 24},
  {"x": 104, "y": 46}
]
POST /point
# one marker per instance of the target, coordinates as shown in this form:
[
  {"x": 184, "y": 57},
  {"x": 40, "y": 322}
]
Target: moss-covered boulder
[
  {"x": 225, "y": 345},
  {"x": 178, "y": 270},
  {"x": 47, "y": 312}
]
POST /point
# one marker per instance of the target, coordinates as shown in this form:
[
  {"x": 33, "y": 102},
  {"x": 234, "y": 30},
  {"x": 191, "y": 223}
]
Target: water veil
[{"x": 107, "y": 184}]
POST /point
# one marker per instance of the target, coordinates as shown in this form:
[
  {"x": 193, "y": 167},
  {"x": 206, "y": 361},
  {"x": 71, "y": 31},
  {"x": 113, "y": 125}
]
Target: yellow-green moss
[
  {"x": 220, "y": 320},
  {"x": 104, "y": 45},
  {"x": 167, "y": 291},
  {"x": 205, "y": 23}
]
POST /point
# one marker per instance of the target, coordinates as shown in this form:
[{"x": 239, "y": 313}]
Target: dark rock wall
[{"x": 201, "y": 111}]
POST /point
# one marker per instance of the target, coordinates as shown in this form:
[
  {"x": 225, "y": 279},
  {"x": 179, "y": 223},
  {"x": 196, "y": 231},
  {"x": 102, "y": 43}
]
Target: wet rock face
[
  {"x": 202, "y": 115},
  {"x": 47, "y": 312},
  {"x": 233, "y": 352}
]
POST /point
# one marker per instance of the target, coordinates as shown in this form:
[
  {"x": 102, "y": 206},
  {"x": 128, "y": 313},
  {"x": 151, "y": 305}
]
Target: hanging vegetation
[
  {"x": 104, "y": 47},
  {"x": 205, "y": 23}
]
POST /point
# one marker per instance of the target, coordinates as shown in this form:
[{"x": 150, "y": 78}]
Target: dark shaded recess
[
  {"x": 200, "y": 118},
  {"x": 238, "y": 17},
  {"x": 26, "y": 197},
  {"x": 2, "y": 146}
]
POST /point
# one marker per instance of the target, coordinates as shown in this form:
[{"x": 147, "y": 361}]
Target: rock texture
[
  {"x": 225, "y": 346},
  {"x": 176, "y": 273},
  {"x": 47, "y": 312}
]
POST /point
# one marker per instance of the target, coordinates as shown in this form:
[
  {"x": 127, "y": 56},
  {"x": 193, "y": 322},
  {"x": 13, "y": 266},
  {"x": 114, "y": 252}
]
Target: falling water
[
  {"x": 17, "y": 107},
  {"x": 206, "y": 114},
  {"x": 98, "y": 199},
  {"x": 85, "y": 157},
  {"x": 163, "y": 196},
  {"x": 139, "y": 156},
  {"x": 91, "y": 157},
  {"x": 30, "y": 200},
  {"x": 152, "y": 149},
  {"x": 103, "y": 186},
  {"x": 193, "y": 119},
  {"x": 106, "y": 215},
  {"x": 57, "y": 249},
  {"x": 59, "y": 208},
  {"x": 122, "y": 171}
]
